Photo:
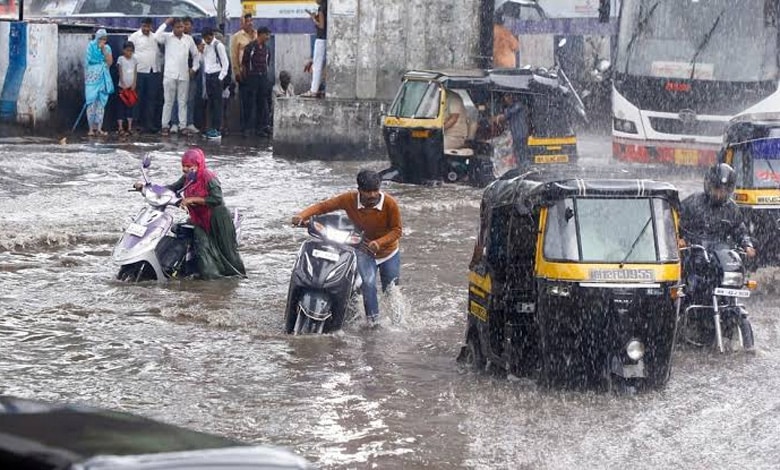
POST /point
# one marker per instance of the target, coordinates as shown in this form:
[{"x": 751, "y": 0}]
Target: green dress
[{"x": 216, "y": 252}]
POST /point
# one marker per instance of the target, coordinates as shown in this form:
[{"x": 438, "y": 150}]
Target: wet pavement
[{"x": 211, "y": 355}]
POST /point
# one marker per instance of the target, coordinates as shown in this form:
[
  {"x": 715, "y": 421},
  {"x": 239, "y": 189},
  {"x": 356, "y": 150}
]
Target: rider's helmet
[{"x": 719, "y": 183}]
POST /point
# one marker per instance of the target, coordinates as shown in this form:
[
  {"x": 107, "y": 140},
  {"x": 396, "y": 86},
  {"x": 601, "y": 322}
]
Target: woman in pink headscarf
[{"x": 215, "y": 235}]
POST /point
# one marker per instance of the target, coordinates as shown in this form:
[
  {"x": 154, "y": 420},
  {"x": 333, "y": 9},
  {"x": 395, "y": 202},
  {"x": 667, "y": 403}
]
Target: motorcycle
[
  {"x": 325, "y": 281},
  {"x": 154, "y": 246},
  {"x": 716, "y": 281}
]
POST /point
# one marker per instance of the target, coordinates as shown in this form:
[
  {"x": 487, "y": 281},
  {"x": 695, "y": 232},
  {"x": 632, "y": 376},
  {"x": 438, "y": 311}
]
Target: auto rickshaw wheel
[{"x": 474, "y": 359}]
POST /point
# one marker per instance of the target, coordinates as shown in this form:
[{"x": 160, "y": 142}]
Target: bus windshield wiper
[
  {"x": 640, "y": 27},
  {"x": 633, "y": 245},
  {"x": 704, "y": 42}
]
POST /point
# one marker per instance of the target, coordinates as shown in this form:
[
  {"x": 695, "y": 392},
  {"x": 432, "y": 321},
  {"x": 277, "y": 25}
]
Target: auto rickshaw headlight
[
  {"x": 559, "y": 290},
  {"x": 635, "y": 350},
  {"x": 733, "y": 279}
]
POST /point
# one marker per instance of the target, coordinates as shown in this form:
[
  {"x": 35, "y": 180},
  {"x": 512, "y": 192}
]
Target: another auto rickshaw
[
  {"x": 575, "y": 282},
  {"x": 493, "y": 107},
  {"x": 751, "y": 145}
]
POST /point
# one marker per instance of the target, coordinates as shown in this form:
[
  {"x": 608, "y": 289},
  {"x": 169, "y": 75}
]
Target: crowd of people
[{"x": 171, "y": 81}]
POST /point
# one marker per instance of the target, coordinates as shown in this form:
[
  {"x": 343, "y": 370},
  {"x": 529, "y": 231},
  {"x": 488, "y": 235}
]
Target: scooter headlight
[
  {"x": 733, "y": 280},
  {"x": 635, "y": 350},
  {"x": 336, "y": 235}
]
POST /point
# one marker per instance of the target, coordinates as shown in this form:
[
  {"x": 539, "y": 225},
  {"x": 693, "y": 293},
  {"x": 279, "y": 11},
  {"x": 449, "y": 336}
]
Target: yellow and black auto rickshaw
[
  {"x": 575, "y": 282},
  {"x": 751, "y": 145},
  {"x": 416, "y": 133}
]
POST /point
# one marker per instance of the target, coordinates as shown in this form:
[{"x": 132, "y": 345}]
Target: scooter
[
  {"x": 154, "y": 246},
  {"x": 715, "y": 282},
  {"x": 325, "y": 281}
]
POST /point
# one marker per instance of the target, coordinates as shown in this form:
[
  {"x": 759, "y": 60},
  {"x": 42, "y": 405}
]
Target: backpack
[{"x": 227, "y": 82}]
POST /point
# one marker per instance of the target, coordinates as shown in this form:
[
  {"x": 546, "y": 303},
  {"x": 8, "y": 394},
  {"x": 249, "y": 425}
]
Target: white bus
[{"x": 683, "y": 68}]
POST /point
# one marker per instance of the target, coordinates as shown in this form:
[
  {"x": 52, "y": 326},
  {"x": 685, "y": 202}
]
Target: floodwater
[{"x": 211, "y": 355}]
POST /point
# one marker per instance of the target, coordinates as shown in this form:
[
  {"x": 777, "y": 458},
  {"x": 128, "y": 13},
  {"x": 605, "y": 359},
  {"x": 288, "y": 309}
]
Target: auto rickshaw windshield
[
  {"x": 765, "y": 157},
  {"x": 610, "y": 231},
  {"x": 416, "y": 99}
]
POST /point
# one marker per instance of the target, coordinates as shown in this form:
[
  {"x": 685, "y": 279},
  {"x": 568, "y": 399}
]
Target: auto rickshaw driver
[{"x": 456, "y": 126}]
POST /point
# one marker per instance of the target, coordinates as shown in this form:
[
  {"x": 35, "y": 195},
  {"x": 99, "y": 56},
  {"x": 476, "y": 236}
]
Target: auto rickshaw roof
[
  {"x": 506, "y": 80},
  {"x": 542, "y": 187},
  {"x": 748, "y": 127}
]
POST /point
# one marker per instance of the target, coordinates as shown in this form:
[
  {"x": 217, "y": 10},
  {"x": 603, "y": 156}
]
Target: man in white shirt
[
  {"x": 149, "y": 75},
  {"x": 215, "y": 68},
  {"x": 176, "y": 77}
]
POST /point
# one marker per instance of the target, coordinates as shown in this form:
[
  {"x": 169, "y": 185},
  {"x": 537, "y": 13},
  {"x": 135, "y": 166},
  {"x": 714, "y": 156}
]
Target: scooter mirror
[
  {"x": 147, "y": 161},
  {"x": 192, "y": 176}
]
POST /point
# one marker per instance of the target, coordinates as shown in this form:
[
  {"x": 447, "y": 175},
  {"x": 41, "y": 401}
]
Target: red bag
[{"x": 129, "y": 97}]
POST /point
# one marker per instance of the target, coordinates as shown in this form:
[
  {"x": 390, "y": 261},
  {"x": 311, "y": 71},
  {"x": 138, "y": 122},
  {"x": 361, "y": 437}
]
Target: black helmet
[{"x": 720, "y": 176}]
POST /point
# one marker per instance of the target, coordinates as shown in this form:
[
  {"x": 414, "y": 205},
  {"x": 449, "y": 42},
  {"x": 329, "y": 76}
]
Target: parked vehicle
[
  {"x": 47, "y": 436},
  {"x": 414, "y": 124},
  {"x": 575, "y": 282},
  {"x": 715, "y": 281},
  {"x": 154, "y": 246},
  {"x": 139, "y": 8},
  {"x": 325, "y": 281},
  {"x": 751, "y": 145}
]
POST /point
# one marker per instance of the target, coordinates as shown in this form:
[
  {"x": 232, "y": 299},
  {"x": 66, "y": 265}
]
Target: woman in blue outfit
[{"x": 98, "y": 84}]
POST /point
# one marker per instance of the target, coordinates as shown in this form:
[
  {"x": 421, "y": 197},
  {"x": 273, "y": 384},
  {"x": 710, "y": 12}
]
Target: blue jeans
[{"x": 389, "y": 272}]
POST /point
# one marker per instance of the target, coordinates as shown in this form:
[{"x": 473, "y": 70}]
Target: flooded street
[{"x": 211, "y": 355}]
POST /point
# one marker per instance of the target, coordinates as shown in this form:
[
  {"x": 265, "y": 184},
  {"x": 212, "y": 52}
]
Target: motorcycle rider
[
  {"x": 703, "y": 214},
  {"x": 216, "y": 250},
  {"x": 377, "y": 215}
]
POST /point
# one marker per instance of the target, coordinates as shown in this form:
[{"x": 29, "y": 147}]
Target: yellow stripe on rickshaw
[
  {"x": 757, "y": 197},
  {"x": 609, "y": 272},
  {"x": 570, "y": 140},
  {"x": 436, "y": 123},
  {"x": 482, "y": 282},
  {"x": 478, "y": 311}
]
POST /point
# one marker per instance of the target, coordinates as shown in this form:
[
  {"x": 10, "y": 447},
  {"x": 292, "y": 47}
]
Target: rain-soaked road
[{"x": 210, "y": 355}]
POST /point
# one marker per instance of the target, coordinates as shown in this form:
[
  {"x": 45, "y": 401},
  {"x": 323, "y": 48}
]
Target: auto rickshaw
[
  {"x": 575, "y": 282},
  {"x": 414, "y": 124},
  {"x": 751, "y": 145}
]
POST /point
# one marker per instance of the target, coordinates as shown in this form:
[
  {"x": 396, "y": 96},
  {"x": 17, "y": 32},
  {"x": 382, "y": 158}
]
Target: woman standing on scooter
[{"x": 215, "y": 235}]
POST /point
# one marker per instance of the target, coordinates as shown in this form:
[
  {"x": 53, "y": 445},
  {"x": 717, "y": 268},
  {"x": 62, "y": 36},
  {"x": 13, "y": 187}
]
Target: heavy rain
[
  {"x": 212, "y": 355},
  {"x": 648, "y": 91}
]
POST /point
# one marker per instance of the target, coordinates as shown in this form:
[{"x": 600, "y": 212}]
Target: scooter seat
[{"x": 461, "y": 152}]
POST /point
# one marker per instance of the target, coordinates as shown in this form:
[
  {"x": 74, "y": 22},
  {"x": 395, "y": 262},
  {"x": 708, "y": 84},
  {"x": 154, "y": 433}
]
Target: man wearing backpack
[
  {"x": 215, "y": 66},
  {"x": 255, "y": 64}
]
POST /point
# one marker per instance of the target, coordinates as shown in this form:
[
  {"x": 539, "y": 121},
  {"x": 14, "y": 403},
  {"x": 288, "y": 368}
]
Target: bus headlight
[
  {"x": 623, "y": 125},
  {"x": 635, "y": 350}
]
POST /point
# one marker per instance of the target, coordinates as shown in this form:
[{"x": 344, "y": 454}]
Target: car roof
[{"x": 70, "y": 434}]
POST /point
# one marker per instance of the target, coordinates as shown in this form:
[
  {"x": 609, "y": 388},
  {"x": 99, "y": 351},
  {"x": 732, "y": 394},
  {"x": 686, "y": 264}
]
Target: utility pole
[{"x": 221, "y": 7}]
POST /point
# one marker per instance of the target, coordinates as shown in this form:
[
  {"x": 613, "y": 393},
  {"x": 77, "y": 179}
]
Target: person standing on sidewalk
[
  {"x": 320, "y": 19},
  {"x": 149, "y": 76},
  {"x": 215, "y": 68},
  {"x": 254, "y": 75},
  {"x": 176, "y": 79},
  {"x": 238, "y": 43}
]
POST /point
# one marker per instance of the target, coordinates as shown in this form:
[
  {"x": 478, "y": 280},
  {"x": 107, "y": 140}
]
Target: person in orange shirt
[
  {"x": 377, "y": 215},
  {"x": 505, "y": 45}
]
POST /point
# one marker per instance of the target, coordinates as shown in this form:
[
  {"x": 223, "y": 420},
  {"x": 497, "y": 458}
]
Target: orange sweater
[{"x": 382, "y": 226}]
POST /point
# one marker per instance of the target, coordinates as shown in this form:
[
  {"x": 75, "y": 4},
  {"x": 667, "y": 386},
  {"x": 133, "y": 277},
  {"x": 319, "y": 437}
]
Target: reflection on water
[{"x": 210, "y": 355}]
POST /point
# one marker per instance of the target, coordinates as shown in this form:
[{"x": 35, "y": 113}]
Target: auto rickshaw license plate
[
  {"x": 732, "y": 292},
  {"x": 421, "y": 134},
  {"x": 551, "y": 159},
  {"x": 689, "y": 157}
]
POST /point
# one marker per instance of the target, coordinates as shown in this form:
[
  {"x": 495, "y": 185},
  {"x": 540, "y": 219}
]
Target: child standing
[{"x": 128, "y": 66}]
